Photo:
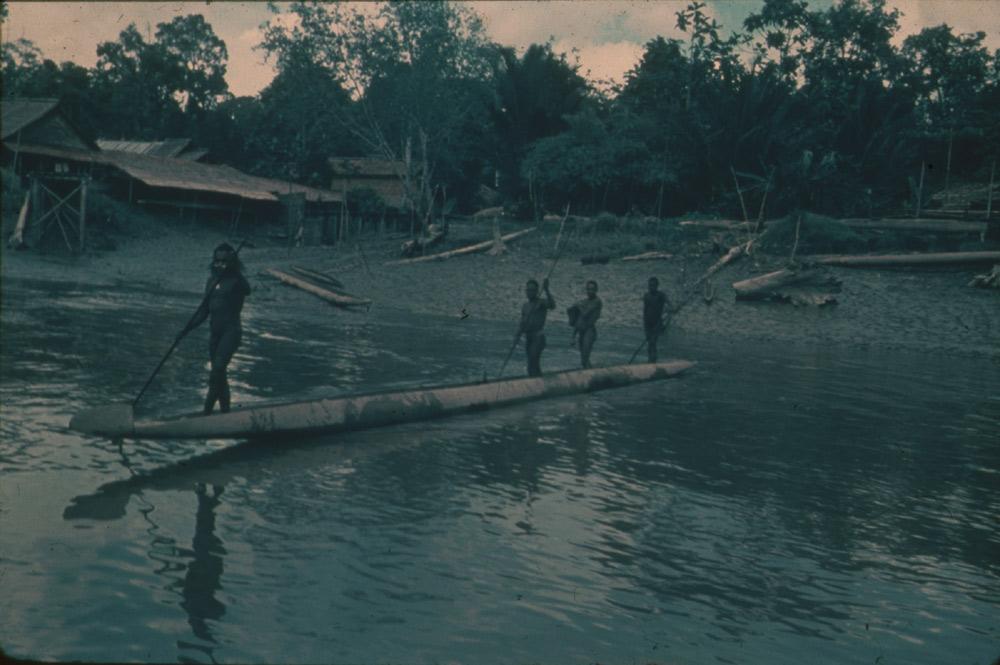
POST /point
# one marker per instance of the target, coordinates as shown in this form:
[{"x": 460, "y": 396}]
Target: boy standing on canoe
[
  {"x": 224, "y": 294},
  {"x": 533, "y": 315},
  {"x": 583, "y": 317}
]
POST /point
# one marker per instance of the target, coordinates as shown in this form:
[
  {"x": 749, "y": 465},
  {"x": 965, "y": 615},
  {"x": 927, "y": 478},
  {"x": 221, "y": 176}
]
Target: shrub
[
  {"x": 606, "y": 223},
  {"x": 817, "y": 235}
]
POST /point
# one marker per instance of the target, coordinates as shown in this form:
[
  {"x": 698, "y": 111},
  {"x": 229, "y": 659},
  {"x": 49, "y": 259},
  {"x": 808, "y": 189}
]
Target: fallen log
[
  {"x": 889, "y": 260},
  {"x": 338, "y": 299},
  {"x": 730, "y": 256},
  {"x": 953, "y": 214},
  {"x": 990, "y": 280},
  {"x": 435, "y": 234},
  {"x": 317, "y": 276},
  {"x": 496, "y": 211},
  {"x": 778, "y": 285},
  {"x": 926, "y": 225},
  {"x": 720, "y": 224},
  {"x": 648, "y": 256},
  {"x": 468, "y": 249}
]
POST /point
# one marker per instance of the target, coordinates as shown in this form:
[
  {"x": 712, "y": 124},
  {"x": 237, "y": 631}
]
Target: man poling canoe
[
  {"x": 533, "y": 315},
  {"x": 225, "y": 292},
  {"x": 120, "y": 417}
]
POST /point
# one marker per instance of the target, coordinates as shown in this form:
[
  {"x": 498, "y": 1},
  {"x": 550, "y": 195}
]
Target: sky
[{"x": 607, "y": 36}]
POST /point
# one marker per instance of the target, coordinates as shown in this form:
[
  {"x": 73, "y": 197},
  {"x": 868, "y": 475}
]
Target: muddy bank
[{"x": 928, "y": 311}]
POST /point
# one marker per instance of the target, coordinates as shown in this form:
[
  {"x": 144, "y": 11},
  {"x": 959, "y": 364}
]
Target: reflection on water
[{"x": 771, "y": 507}]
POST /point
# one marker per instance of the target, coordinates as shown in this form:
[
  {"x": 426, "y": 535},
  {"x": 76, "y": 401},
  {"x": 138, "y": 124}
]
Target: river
[{"x": 777, "y": 504}]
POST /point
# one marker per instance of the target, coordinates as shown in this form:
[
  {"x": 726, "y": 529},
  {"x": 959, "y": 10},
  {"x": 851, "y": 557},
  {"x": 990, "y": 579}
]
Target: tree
[
  {"x": 532, "y": 95},
  {"x": 297, "y": 131},
  {"x": 200, "y": 58},
  {"x": 593, "y": 159},
  {"x": 151, "y": 90},
  {"x": 404, "y": 65},
  {"x": 21, "y": 59}
]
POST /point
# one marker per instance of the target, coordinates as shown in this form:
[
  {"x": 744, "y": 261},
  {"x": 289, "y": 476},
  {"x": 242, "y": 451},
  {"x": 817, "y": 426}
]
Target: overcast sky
[{"x": 608, "y": 35}]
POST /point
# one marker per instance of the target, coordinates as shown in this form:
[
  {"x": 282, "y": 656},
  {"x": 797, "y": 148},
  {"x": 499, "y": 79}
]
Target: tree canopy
[{"x": 818, "y": 107}]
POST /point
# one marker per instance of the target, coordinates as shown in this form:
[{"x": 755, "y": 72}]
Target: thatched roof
[
  {"x": 39, "y": 121},
  {"x": 19, "y": 113},
  {"x": 366, "y": 167},
  {"x": 383, "y": 176},
  {"x": 45, "y": 131},
  {"x": 189, "y": 175},
  {"x": 180, "y": 148}
]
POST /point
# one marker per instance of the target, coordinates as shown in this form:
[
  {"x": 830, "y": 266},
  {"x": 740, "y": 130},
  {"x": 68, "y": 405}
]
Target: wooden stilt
[{"x": 83, "y": 212}]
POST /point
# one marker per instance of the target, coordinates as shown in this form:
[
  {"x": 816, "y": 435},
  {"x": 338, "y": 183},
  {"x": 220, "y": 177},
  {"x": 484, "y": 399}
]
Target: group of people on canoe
[
  {"x": 583, "y": 316},
  {"x": 227, "y": 288}
]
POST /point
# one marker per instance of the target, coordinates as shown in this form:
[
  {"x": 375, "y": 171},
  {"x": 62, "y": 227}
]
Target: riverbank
[{"x": 924, "y": 311}]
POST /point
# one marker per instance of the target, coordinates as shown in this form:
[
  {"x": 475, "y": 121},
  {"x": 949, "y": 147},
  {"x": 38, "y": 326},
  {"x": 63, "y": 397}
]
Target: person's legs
[
  {"x": 651, "y": 338},
  {"x": 223, "y": 346},
  {"x": 587, "y": 339},
  {"x": 534, "y": 345},
  {"x": 213, "y": 387}
]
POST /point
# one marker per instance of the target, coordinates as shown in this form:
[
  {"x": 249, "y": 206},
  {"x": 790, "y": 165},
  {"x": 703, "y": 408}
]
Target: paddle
[{"x": 116, "y": 419}]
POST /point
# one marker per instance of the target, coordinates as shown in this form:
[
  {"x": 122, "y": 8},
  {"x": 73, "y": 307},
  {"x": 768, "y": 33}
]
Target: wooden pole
[
  {"x": 947, "y": 167},
  {"x": 739, "y": 192},
  {"x": 920, "y": 189},
  {"x": 83, "y": 211},
  {"x": 17, "y": 238},
  {"x": 34, "y": 211},
  {"x": 989, "y": 194},
  {"x": 795, "y": 246}
]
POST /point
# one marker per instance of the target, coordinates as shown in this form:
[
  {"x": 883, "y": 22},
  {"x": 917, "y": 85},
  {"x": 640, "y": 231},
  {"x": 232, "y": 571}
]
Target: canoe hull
[{"x": 365, "y": 411}]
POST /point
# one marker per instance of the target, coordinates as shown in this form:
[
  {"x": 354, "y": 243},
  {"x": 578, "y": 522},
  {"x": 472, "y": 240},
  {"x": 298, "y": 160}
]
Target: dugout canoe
[{"x": 355, "y": 412}]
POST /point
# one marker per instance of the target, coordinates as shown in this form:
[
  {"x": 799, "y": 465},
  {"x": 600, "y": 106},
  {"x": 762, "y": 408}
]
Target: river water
[{"x": 778, "y": 504}]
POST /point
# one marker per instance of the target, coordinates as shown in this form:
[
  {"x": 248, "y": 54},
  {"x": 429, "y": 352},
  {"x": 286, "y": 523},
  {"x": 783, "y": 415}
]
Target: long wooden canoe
[{"x": 385, "y": 408}]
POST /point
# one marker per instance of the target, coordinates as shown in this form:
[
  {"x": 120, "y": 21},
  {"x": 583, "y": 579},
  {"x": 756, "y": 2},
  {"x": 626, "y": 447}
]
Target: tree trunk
[
  {"x": 648, "y": 256},
  {"x": 947, "y": 167},
  {"x": 805, "y": 286},
  {"x": 339, "y": 299},
  {"x": 927, "y": 259},
  {"x": 917, "y": 225},
  {"x": 468, "y": 249},
  {"x": 990, "y": 280},
  {"x": 920, "y": 190}
]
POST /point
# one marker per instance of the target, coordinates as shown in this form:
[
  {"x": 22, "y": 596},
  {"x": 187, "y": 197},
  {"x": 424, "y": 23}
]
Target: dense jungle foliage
[{"x": 817, "y": 108}]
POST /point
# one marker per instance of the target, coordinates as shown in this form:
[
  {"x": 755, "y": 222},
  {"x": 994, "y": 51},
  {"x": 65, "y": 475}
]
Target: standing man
[
  {"x": 533, "y": 315},
  {"x": 224, "y": 294},
  {"x": 654, "y": 302},
  {"x": 587, "y": 311}
]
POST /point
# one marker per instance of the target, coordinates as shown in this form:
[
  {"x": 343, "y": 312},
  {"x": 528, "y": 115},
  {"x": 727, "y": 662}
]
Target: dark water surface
[{"x": 775, "y": 505}]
